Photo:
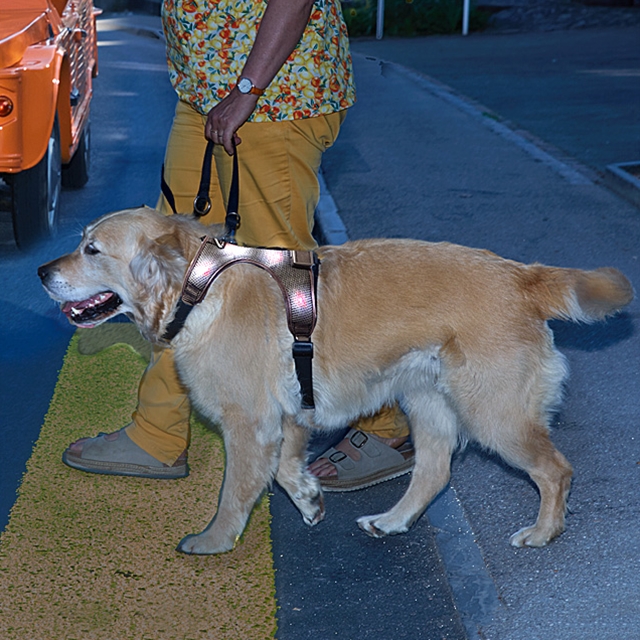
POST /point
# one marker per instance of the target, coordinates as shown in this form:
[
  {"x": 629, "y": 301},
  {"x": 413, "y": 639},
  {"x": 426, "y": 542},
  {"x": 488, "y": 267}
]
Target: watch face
[{"x": 245, "y": 85}]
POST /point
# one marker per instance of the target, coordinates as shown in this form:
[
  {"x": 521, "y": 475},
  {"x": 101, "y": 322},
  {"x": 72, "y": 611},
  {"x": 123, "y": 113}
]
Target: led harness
[{"x": 296, "y": 273}]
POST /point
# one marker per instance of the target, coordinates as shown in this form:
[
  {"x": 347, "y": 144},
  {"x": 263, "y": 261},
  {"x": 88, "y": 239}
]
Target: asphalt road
[
  {"x": 577, "y": 90},
  {"x": 416, "y": 160}
]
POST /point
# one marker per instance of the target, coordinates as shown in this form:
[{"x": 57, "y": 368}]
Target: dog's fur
[{"x": 457, "y": 336}]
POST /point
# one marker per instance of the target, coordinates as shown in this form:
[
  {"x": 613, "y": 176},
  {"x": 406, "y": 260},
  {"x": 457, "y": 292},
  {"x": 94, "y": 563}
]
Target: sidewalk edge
[{"x": 474, "y": 591}]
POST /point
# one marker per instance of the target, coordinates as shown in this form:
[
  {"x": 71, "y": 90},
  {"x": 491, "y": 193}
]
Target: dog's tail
[{"x": 572, "y": 294}]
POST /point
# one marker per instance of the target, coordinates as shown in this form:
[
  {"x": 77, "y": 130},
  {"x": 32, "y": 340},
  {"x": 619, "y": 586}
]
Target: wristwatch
[{"x": 246, "y": 86}]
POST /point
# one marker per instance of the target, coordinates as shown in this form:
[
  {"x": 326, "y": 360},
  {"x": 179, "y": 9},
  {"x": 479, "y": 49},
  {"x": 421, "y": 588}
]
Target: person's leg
[
  {"x": 278, "y": 195},
  {"x": 161, "y": 421},
  {"x": 159, "y": 434},
  {"x": 272, "y": 155},
  {"x": 279, "y": 190},
  {"x": 389, "y": 428}
]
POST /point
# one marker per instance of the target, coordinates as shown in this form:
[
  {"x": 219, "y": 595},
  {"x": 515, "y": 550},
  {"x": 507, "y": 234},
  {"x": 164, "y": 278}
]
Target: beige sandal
[
  {"x": 378, "y": 462},
  {"x": 117, "y": 455}
]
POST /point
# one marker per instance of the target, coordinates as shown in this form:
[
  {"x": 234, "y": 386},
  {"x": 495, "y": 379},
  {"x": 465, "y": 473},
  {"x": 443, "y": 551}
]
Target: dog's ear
[
  {"x": 160, "y": 264},
  {"x": 172, "y": 242}
]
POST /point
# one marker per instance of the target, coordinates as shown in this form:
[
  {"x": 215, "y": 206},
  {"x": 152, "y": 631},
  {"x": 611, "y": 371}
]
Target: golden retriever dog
[{"x": 457, "y": 336}]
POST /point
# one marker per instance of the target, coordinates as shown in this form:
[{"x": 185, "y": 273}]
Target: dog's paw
[
  {"x": 378, "y": 527},
  {"x": 307, "y": 495},
  {"x": 203, "y": 544},
  {"x": 532, "y": 537},
  {"x": 313, "y": 509}
]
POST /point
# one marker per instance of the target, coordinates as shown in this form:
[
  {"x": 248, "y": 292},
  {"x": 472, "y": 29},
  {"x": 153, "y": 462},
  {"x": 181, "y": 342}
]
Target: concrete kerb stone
[
  {"x": 329, "y": 226},
  {"x": 473, "y": 589},
  {"x": 474, "y": 592},
  {"x": 624, "y": 179}
]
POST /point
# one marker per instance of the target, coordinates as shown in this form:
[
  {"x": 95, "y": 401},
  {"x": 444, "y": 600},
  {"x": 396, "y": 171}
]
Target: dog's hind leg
[
  {"x": 435, "y": 435},
  {"x": 531, "y": 449},
  {"x": 510, "y": 416},
  {"x": 252, "y": 448},
  {"x": 303, "y": 488}
]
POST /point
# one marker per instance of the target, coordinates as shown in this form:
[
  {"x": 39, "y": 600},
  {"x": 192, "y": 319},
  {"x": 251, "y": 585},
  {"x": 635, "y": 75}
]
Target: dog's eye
[{"x": 91, "y": 249}]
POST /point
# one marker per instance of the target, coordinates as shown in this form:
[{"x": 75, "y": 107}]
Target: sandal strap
[{"x": 375, "y": 456}]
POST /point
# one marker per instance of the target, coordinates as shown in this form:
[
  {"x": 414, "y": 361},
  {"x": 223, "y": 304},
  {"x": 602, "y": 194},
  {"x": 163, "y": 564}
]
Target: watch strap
[{"x": 254, "y": 90}]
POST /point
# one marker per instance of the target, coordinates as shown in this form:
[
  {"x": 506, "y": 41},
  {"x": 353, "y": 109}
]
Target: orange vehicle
[{"x": 48, "y": 58}]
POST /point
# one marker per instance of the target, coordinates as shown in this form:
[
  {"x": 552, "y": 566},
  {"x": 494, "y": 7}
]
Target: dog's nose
[{"x": 43, "y": 272}]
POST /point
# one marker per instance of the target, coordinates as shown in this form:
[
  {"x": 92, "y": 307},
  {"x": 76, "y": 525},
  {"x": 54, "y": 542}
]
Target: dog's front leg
[
  {"x": 303, "y": 488},
  {"x": 252, "y": 449},
  {"x": 434, "y": 434}
]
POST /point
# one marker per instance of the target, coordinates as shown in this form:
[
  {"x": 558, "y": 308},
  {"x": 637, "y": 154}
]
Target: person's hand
[{"x": 224, "y": 120}]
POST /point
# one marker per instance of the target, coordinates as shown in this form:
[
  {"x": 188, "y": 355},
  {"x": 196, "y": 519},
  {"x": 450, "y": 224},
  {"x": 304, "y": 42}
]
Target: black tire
[
  {"x": 36, "y": 195},
  {"x": 76, "y": 173}
]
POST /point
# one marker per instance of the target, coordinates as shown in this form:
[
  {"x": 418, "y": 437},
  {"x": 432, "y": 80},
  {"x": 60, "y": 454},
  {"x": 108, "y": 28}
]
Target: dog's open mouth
[{"x": 90, "y": 312}]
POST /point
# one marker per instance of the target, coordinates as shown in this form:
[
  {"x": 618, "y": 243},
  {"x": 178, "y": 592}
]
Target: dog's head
[{"x": 130, "y": 262}]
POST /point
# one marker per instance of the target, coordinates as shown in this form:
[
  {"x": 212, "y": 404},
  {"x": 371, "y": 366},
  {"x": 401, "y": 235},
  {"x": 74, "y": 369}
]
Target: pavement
[
  {"x": 480, "y": 141},
  {"x": 504, "y": 146}
]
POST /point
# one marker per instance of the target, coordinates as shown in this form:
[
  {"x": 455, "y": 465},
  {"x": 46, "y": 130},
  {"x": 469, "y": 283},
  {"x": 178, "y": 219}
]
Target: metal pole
[
  {"x": 380, "y": 20},
  {"x": 465, "y": 17}
]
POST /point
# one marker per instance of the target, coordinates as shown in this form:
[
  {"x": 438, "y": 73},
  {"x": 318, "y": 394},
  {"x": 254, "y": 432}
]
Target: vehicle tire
[
  {"x": 76, "y": 173},
  {"x": 36, "y": 195}
]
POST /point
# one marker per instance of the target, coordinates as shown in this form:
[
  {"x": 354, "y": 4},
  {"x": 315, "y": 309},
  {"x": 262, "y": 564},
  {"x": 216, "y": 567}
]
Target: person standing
[{"x": 272, "y": 80}]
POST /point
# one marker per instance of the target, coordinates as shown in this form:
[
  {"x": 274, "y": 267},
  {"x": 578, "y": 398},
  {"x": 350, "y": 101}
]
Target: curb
[
  {"x": 474, "y": 591},
  {"x": 624, "y": 179},
  {"x": 329, "y": 226},
  {"x": 570, "y": 169}
]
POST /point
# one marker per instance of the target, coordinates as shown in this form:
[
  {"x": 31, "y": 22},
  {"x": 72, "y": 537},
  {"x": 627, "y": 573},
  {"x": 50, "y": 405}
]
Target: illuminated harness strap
[{"x": 296, "y": 273}]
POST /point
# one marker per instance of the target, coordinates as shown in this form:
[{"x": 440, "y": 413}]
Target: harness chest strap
[{"x": 296, "y": 273}]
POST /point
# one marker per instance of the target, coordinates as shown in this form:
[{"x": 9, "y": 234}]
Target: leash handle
[{"x": 202, "y": 201}]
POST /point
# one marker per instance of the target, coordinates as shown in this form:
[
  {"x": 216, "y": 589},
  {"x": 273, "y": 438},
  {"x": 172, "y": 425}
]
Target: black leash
[{"x": 202, "y": 201}]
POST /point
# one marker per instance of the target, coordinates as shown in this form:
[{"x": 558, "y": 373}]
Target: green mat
[{"x": 89, "y": 556}]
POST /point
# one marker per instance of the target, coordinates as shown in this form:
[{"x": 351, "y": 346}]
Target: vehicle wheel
[
  {"x": 36, "y": 195},
  {"x": 76, "y": 173}
]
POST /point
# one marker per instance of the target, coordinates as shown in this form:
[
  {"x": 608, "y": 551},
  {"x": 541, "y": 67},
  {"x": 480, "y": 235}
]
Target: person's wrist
[
  {"x": 247, "y": 87},
  {"x": 245, "y": 97}
]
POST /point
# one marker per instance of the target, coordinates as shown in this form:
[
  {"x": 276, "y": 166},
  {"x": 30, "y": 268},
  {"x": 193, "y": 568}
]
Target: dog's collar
[{"x": 296, "y": 273}]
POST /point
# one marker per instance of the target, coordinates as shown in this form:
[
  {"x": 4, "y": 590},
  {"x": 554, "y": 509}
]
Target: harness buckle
[
  {"x": 302, "y": 259},
  {"x": 302, "y": 355},
  {"x": 302, "y": 349}
]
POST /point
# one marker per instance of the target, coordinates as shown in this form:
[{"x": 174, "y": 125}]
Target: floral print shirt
[{"x": 208, "y": 42}]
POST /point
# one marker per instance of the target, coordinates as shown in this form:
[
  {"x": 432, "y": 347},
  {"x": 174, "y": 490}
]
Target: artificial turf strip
[{"x": 89, "y": 556}]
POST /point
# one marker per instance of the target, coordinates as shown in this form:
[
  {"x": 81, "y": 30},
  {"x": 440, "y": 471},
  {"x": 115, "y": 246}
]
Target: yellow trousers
[{"x": 279, "y": 191}]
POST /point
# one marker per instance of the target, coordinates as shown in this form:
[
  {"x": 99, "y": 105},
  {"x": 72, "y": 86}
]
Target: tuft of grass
[
  {"x": 406, "y": 18},
  {"x": 91, "y": 557}
]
